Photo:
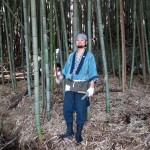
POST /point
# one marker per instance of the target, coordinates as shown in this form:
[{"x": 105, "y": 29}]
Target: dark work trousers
[{"x": 73, "y": 103}]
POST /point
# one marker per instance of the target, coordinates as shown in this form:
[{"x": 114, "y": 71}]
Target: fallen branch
[
  {"x": 9, "y": 143},
  {"x": 110, "y": 90},
  {"x": 16, "y": 99}
]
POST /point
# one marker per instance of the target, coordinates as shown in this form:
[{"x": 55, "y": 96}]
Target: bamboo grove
[{"x": 118, "y": 35}]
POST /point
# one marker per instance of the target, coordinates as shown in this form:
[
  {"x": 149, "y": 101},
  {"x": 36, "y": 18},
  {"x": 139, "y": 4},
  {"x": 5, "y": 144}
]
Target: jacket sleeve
[{"x": 67, "y": 65}]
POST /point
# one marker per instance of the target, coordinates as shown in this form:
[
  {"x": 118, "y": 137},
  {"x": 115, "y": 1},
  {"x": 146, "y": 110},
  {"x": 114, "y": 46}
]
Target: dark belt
[{"x": 76, "y": 86}]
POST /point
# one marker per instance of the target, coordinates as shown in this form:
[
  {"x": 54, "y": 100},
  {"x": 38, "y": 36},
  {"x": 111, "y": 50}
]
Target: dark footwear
[
  {"x": 69, "y": 131},
  {"x": 65, "y": 135},
  {"x": 79, "y": 139},
  {"x": 78, "y": 134}
]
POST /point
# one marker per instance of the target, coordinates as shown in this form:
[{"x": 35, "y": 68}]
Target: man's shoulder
[
  {"x": 89, "y": 53},
  {"x": 72, "y": 52}
]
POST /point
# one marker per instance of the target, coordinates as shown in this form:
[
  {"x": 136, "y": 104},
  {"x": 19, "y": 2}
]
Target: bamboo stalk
[
  {"x": 89, "y": 9},
  {"x": 64, "y": 28},
  {"x": 26, "y": 37},
  {"x": 59, "y": 41},
  {"x": 148, "y": 20},
  {"x": 123, "y": 47},
  {"x": 99, "y": 21},
  {"x": 111, "y": 44},
  {"x": 12, "y": 13},
  {"x": 42, "y": 61},
  {"x": 36, "y": 68},
  {"x": 51, "y": 44},
  {"x": 140, "y": 45},
  {"x": 145, "y": 36},
  {"x": 75, "y": 22},
  {"x": 143, "y": 46},
  {"x": 118, "y": 41},
  {"x": 1, "y": 52},
  {"x": 11, "y": 42},
  {"x": 22, "y": 40},
  {"x": 133, "y": 49},
  {"x": 46, "y": 58},
  {"x": 58, "y": 34},
  {"x": 9, "y": 53}
]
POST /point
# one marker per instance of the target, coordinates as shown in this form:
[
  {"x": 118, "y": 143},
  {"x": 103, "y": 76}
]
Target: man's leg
[
  {"x": 81, "y": 111},
  {"x": 68, "y": 109}
]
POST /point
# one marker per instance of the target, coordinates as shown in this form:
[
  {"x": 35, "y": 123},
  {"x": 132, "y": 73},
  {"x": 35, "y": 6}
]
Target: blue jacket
[{"x": 86, "y": 70}]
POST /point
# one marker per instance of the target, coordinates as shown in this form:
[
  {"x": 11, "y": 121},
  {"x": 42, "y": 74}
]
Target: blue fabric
[
  {"x": 73, "y": 103},
  {"x": 75, "y": 68},
  {"x": 86, "y": 69}
]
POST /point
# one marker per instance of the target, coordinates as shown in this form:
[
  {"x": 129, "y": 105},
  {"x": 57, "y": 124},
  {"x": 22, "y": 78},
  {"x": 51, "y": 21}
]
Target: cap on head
[{"x": 81, "y": 36}]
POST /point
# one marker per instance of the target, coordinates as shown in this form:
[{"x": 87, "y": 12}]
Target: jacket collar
[{"x": 81, "y": 62}]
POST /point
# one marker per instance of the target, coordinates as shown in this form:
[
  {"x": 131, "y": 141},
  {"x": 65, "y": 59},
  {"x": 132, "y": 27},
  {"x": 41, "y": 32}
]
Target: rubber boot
[
  {"x": 69, "y": 131},
  {"x": 78, "y": 134}
]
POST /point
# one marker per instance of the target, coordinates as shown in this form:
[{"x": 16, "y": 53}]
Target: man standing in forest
[{"x": 80, "y": 74}]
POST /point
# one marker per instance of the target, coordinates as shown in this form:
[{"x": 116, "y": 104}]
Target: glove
[
  {"x": 90, "y": 91},
  {"x": 59, "y": 78}
]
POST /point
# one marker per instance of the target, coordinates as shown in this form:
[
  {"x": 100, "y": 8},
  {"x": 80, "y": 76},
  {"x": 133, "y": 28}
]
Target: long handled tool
[
  {"x": 100, "y": 91},
  {"x": 86, "y": 94}
]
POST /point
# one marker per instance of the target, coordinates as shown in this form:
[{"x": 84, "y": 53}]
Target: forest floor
[{"x": 126, "y": 127}]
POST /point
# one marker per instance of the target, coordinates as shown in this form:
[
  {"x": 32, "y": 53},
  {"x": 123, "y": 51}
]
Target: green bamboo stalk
[
  {"x": 38, "y": 13},
  {"x": 89, "y": 22},
  {"x": 140, "y": 46},
  {"x": 69, "y": 20},
  {"x": 45, "y": 47},
  {"x": 145, "y": 36},
  {"x": 60, "y": 19},
  {"x": 42, "y": 61},
  {"x": 59, "y": 42},
  {"x": 148, "y": 20},
  {"x": 9, "y": 53},
  {"x": 64, "y": 28},
  {"x": 89, "y": 8},
  {"x": 106, "y": 31},
  {"x": 80, "y": 13},
  {"x": 75, "y": 22},
  {"x": 100, "y": 30},
  {"x": 10, "y": 27},
  {"x": 118, "y": 40},
  {"x": 111, "y": 45},
  {"x": 26, "y": 37},
  {"x": 113, "y": 17},
  {"x": 29, "y": 34},
  {"x": 133, "y": 50},
  {"x": 1, "y": 52},
  {"x": 36, "y": 68},
  {"x": 22, "y": 41},
  {"x": 143, "y": 44},
  {"x": 51, "y": 45},
  {"x": 12, "y": 13},
  {"x": 58, "y": 34}
]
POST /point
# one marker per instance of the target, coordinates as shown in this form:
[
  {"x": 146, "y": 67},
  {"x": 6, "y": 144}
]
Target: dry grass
[{"x": 126, "y": 127}]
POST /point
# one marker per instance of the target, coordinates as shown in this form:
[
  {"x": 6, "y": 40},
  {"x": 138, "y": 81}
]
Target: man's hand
[
  {"x": 59, "y": 77},
  {"x": 90, "y": 91},
  {"x": 57, "y": 80},
  {"x": 56, "y": 71}
]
